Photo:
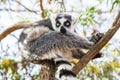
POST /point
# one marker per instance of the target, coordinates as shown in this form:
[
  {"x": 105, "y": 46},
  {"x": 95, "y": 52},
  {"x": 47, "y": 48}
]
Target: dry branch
[
  {"x": 41, "y": 7},
  {"x": 93, "y": 51},
  {"x": 26, "y": 7},
  {"x": 13, "y": 28}
]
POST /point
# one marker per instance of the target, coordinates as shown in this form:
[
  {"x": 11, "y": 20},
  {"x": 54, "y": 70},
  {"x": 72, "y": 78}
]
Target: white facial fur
[{"x": 62, "y": 20}]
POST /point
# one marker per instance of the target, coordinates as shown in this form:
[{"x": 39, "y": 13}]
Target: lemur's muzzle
[{"x": 63, "y": 30}]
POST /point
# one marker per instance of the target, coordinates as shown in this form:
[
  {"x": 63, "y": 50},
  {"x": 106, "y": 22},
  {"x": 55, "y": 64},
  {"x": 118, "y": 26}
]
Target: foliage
[
  {"x": 115, "y": 3},
  {"x": 9, "y": 69},
  {"x": 4, "y": 1},
  {"x": 87, "y": 17},
  {"x": 104, "y": 71}
]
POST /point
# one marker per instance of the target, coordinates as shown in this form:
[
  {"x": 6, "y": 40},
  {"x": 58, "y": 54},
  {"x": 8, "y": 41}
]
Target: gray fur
[
  {"x": 39, "y": 41},
  {"x": 55, "y": 41}
]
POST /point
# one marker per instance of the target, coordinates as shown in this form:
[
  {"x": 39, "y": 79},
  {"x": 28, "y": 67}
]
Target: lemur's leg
[{"x": 65, "y": 69}]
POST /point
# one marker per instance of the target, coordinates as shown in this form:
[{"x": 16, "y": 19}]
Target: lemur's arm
[
  {"x": 95, "y": 38},
  {"x": 55, "y": 41}
]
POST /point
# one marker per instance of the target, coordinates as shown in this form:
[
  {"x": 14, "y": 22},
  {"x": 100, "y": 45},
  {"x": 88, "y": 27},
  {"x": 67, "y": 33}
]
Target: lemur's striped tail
[{"x": 65, "y": 70}]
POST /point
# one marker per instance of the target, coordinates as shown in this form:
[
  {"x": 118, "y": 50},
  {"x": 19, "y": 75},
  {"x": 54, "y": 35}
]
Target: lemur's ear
[
  {"x": 52, "y": 18},
  {"x": 74, "y": 21},
  {"x": 74, "y": 18}
]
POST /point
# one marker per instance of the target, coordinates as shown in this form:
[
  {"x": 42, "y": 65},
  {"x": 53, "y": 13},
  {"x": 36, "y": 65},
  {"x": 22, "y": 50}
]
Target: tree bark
[
  {"x": 93, "y": 51},
  {"x": 48, "y": 71}
]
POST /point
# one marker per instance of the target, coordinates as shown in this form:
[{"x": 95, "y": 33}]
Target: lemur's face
[{"x": 63, "y": 23}]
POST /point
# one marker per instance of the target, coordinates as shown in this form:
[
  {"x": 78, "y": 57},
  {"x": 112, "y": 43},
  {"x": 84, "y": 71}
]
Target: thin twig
[
  {"x": 26, "y": 7},
  {"x": 14, "y": 10},
  {"x": 42, "y": 9}
]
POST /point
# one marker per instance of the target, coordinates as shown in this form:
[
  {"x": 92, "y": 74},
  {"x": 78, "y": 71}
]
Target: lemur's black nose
[{"x": 62, "y": 30}]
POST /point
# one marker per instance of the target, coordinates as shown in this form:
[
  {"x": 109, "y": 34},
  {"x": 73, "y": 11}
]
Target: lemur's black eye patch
[
  {"x": 67, "y": 23},
  {"x": 58, "y": 23}
]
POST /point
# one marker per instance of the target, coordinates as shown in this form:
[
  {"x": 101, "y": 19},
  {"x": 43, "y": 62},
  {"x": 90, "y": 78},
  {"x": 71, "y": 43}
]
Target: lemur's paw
[{"x": 95, "y": 38}]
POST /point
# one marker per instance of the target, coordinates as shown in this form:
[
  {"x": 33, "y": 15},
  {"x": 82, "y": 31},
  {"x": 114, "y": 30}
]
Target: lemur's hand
[{"x": 95, "y": 38}]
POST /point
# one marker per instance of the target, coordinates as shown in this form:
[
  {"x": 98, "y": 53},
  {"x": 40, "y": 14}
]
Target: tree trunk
[{"x": 48, "y": 71}]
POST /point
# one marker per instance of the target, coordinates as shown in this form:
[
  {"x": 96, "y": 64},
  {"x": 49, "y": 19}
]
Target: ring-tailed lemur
[{"x": 58, "y": 43}]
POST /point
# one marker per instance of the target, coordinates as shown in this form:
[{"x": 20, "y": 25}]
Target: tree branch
[
  {"x": 14, "y": 10},
  {"x": 13, "y": 28},
  {"x": 24, "y": 24},
  {"x": 48, "y": 71},
  {"x": 26, "y": 7},
  {"x": 41, "y": 7},
  {"x": 93, "y": 51}
]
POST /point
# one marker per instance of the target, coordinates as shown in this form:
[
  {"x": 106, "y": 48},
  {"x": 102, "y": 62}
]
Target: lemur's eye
[
  {"x": 58, "y": 23},
  {"x": 67, "y": 23}
]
